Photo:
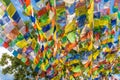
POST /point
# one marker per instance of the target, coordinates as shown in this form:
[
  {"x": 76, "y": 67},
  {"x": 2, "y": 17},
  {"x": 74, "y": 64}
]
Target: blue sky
[
  {"x": 111, "y": 5},
  {"x": 5, "y": 77}
]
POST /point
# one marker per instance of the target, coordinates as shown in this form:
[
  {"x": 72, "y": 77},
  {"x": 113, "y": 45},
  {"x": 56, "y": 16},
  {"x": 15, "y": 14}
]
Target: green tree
[{"x": 17, "y": 68}]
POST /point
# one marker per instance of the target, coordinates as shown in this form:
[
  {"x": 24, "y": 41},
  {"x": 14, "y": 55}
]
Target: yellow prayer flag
[
  {"x": 43, "y": 67},
  {"x": 86, "y": 70},
  {"x": 33, "y": 45},
  {"x": 95, "y": 54},
  {"x": 44, "y": 36},
  {"x": 73, "y": 62},
  {"x": 29, "y": 40},
  {"x": 11, "y": 9},
  {"x": 54, "y": 36},
  {"x": 56, "y": 61},
  {"x": 33, "y": 66},
  {"x": 21, "y": 43},
  {"x": 81, "y": 10},
  {"x": 38, "y": 25},
  {"x": 49, "y": 55},
  {"x": 90, "y": 13},
  {"x": 1, "y": 12},
  {"x": 119, "y": 37},
  {"x": 103, "y": 22},
  {"x": 46, "y": 61},
  {"x": 107, "y": 50},
  {"x": 72, "y": 78},
  {"x": 111, "y": 40},
  {"x": 110, "y": 57},
  {"x": 90, "y": 57},
  {"x": 90, "y": 46},
  {"x": 69, "y": 27},
  {"x": 113, "y": 15},
  {"x": 96, "y": 23},
  {"x": 29, "y": 10}
]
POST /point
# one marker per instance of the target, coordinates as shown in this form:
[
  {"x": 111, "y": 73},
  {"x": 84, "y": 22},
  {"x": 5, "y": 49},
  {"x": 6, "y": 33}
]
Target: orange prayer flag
[
  {"x": 95, "y": 68},
  {"x": 50, "y": 38},
  {"x": 42, "y": 11},
  {"x": 27, "y": 2},
  {"x": 27, "y": 62},
  {"x": 108, "y": 11},
  {"x": 53, "y": 22},
  {"x": 83, "y": 38},
  {"x": 35, "y": 26},
  {"x": 53, "y": 9},
  {"x": 102, "y": 62},
  {"x": 36, "y": 61},
  {"x": 24, "y": 49},
  {"x": 55, "y": 50},
  {"x": 104, "y": 41},
  {"x": 77, "y": 74},
  {"x": 14, "y": 23},
  {"x": 97, "y": 36},
  {"x": 89, "y": 34},
  {"x": 48, "y": 6},
  {"x": 87, "y": 64},
  {"x": 70, "y": 46}
]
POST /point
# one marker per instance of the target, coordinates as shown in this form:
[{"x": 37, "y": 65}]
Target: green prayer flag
[
  {"x": 71, "y": 37},
  {"x": 51, "y": 43},
  {"x": 106, "y": 17},
  {"x": 118, "y": 64},
  {"x": 1, "y": 40},
  {"x": 37, "y": 48},
  {"x": 23, "y": 59},
  {"x": 76, "y": 69},
  {"x": 115, "y": 9},
  {"x": 20, "y": 37},
  {"x": 52, "y": 2},
  {"x": 39, "y": 64},
  {"x": 7, "y": 2},
  {"x": 64, "y": 39},
  {"x": 119, "y": 15},
  {"x": 44, "y": 18}
]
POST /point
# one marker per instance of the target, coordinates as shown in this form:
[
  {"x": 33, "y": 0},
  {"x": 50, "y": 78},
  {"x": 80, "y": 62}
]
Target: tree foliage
[{"x": 17, "y": 68}]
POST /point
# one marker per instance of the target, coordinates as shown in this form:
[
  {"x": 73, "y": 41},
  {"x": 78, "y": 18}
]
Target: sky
[{"x": 5, "y": 77}]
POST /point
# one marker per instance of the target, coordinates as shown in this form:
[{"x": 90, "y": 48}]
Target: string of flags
[{"x": 64, "y": 39}]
